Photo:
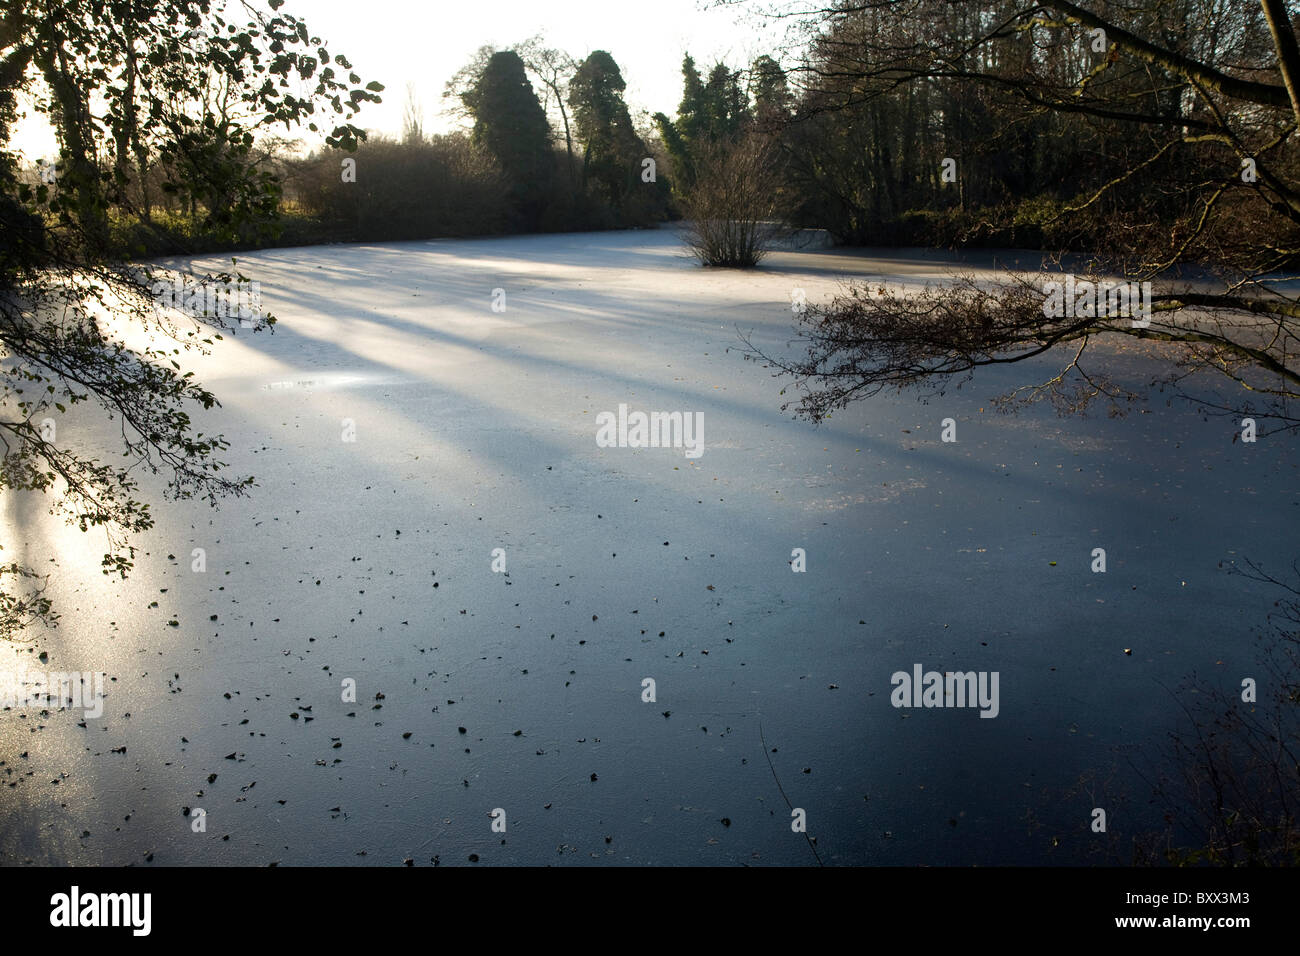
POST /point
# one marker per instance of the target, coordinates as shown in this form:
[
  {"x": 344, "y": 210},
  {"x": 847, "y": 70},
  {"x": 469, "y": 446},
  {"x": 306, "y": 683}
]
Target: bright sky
[{"x": 425, "y": 41}]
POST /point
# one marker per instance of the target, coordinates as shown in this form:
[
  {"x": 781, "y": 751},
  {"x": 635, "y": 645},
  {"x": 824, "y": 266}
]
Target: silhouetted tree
[
  {"x": 511, "y": 124},
  {"x": 709, "y": 112},
  {"x": 612, "y": 151},
  {"x": 771, "y": 92},
  {"x": 553, "y": 69}
]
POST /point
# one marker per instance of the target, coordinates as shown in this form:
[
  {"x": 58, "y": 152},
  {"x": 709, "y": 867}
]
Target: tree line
[
  {"x": 518, "y": 169},
  {"x": 856, "y": 133}
]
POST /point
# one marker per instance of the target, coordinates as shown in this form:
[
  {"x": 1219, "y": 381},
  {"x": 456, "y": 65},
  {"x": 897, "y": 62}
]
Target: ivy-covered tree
[
  {"x": 768, "y": 86},
  {"x": 511, "y": 124},
  {"x": 612, "y": 151}
]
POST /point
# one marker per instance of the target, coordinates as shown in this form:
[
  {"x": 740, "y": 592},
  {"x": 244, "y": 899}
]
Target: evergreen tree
[
  {"x": 510, "y": 123},
  {"x": 726, "y": 104},
  {"x": 771, "y": 92},
  {"x": 710, "y": 112},
  {"x": 612, "y": 151},
  {"x": 692, "y": 112}
]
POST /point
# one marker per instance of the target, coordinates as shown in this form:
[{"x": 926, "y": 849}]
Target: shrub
[
  {"x": 732, "y": 203},
  {"x": 444, "y": 186}
]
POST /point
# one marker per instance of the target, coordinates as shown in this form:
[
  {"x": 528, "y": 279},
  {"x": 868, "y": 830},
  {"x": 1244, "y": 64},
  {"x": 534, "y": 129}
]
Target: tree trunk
[{"x": 1288, "y": 53}]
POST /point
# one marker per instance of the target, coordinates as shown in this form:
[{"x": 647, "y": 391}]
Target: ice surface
[{"x": 475, "y": 430}]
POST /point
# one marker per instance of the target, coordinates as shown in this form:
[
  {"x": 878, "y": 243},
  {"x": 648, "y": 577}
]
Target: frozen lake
[{"x": 400, "y": 430}]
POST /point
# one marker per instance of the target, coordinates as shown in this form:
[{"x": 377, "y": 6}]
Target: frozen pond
[{"x": 400, "y": 430}]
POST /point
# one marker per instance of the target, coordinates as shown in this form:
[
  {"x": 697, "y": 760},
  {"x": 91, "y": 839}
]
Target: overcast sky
[{"x": 425, "y": 41}]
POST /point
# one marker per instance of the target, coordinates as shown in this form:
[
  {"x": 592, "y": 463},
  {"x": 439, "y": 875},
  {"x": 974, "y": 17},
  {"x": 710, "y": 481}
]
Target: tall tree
[
  {"x": 770, "y": 90},
  {"x": 611, "y": 148},
  {"x": 709, "y": 112},
  {"x": 726, "y": 104},
  {"x": 692, "y": 113},
  {"x": 511, "y": 124},
  {"x": 412, "y": 117},
  {"x": 553, "y": 69},
  {"x": 183, "y": 85}
]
